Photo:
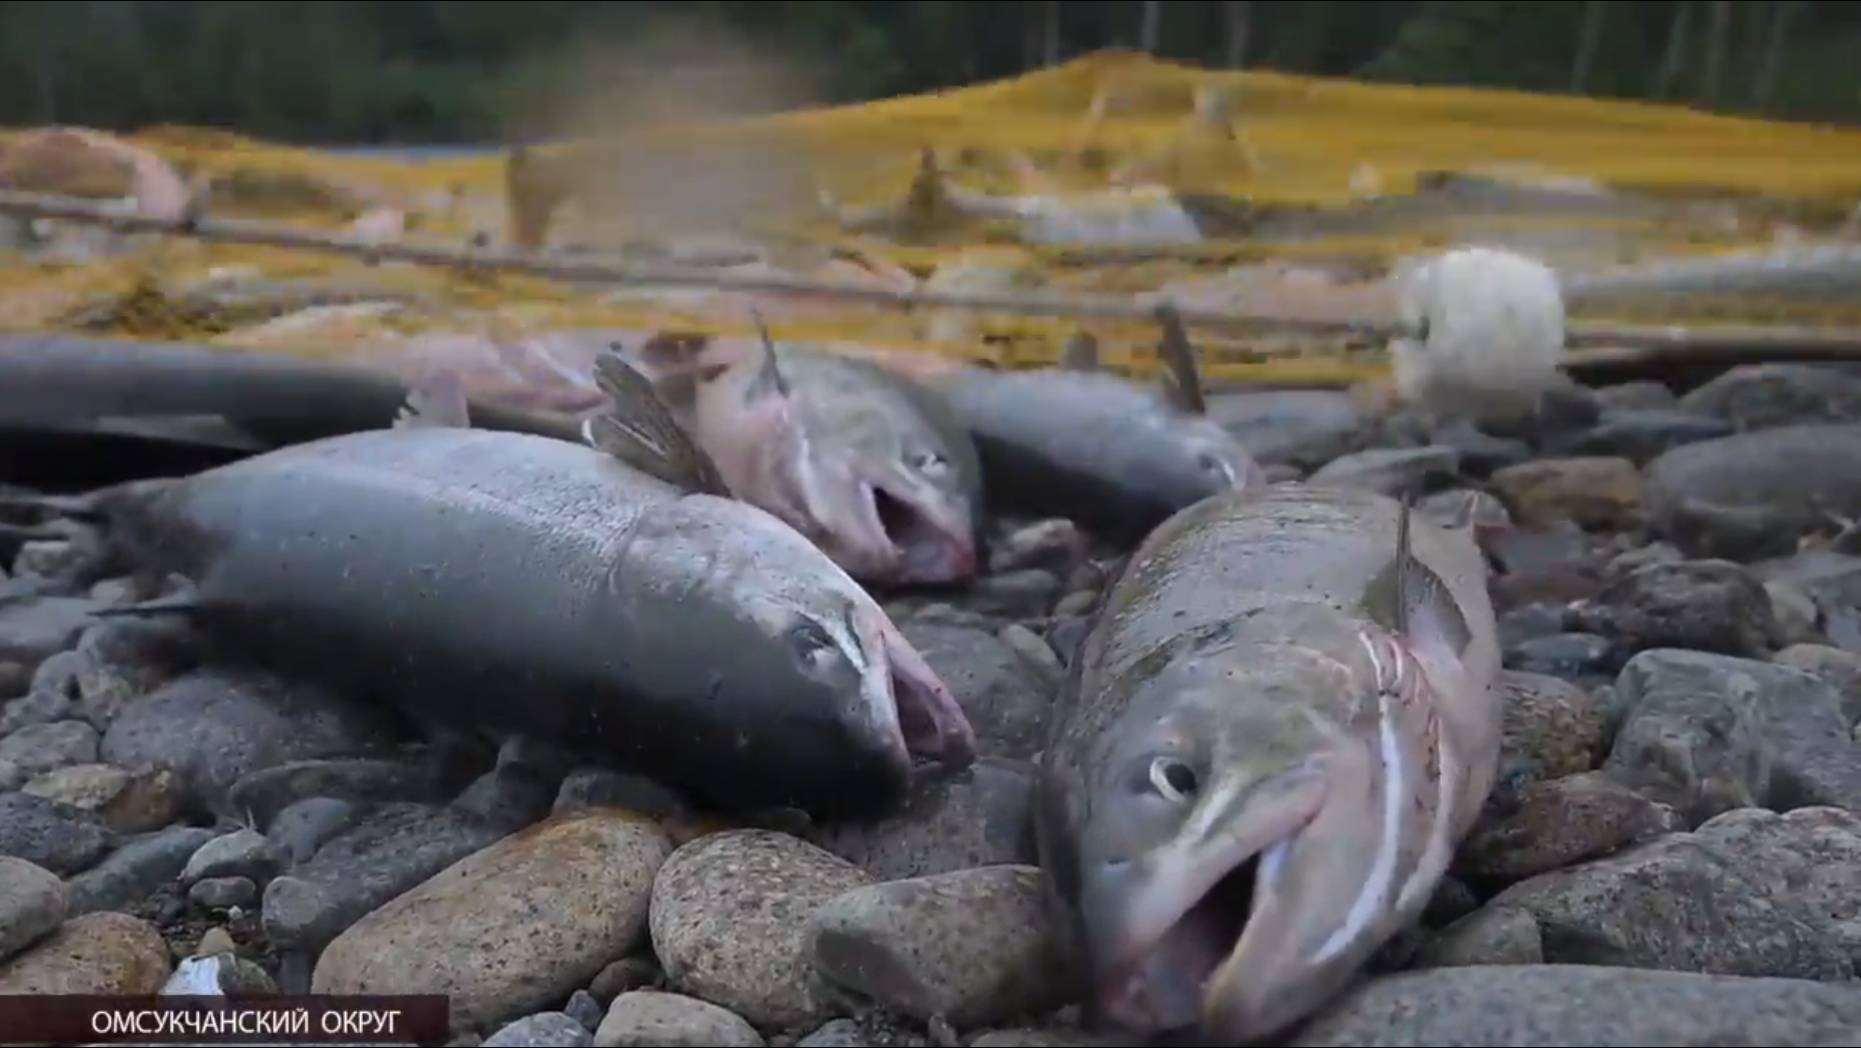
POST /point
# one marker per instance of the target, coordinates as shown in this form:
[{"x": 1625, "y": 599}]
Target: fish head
[
  {"x": 1239, "y": 859},
  {"x": 792, "y": 634},
  {"x": 904, "y": 508},
  {"x": 888, "y": 501},
  {"x": 1203, "y": 459}
]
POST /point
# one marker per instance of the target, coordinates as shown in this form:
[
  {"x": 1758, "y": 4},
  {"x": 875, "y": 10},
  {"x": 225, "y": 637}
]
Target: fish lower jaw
[
  {"x": 932, "y": 733},
  {"x": 1162, "y": 985},
  {"x": 920, "y": 549}
]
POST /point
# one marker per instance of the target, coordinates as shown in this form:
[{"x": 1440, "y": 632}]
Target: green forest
[{"x": 420, "y": 71}]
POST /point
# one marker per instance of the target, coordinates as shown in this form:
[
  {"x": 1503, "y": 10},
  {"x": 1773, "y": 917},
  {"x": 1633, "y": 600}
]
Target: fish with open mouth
[
  {"x": 604, "y": 594},
  {"x": 1281, "y": 723},
  {"x": 862, "y": 460},
  {"x": 1095, "y": 447}
]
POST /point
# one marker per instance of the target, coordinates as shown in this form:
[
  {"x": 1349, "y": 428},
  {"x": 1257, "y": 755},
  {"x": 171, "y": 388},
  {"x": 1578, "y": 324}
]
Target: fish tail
[
  {"x": 171, "y": 605},
  {"x": 30, "y": 533},
  {"x": 75, "y": 507}
]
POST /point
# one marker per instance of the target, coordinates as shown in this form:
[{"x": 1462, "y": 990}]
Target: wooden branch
[
  {"x": 1592, "y": 344},
  {"x": 1138, "y": 309}
]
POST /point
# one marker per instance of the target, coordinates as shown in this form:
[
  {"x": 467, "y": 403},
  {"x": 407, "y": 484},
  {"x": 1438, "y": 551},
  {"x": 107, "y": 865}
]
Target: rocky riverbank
[{"x": 1672, "y": 854}]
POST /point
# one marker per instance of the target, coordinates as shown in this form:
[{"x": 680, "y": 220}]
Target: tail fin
[
  {"x": 30, "y": 533},
  {"x": 177, "y": 604},
  {"x": 75, "y": 507}
]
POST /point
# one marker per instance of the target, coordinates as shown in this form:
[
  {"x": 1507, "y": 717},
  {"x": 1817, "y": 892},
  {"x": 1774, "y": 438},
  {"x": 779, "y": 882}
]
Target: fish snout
[{"x": 926, "y": 726}]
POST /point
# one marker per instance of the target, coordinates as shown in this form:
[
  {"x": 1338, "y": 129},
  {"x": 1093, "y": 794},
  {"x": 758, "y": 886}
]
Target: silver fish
[
  {"x": 606, "y": 596},
  {"x": 862, "y": 460},
  {"x": 1095, "y": 447},
  {"x": 1281, "y": 723}
]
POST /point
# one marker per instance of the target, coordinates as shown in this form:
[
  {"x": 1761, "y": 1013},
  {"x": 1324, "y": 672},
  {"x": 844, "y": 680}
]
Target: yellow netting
[{"x": 1267, "y": 144}]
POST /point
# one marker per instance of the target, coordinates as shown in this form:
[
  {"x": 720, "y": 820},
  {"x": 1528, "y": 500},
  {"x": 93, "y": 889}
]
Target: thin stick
[
  {"x": 239, "y": 231},
  {"x": 1635, "y": 341}
]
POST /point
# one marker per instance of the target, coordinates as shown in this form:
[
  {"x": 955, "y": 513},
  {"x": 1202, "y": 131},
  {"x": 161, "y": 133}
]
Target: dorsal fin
[
  {"x": 1409, "y": 599},
  {"x": 637, "y": 428},
  {"x": 768, "y": 380},
  {"x": 1182, "y": 381},
  {"x": 1405, "y": 573},
  {"x": 1081, "y": 352},
  {"x": 438, "y": 400}
]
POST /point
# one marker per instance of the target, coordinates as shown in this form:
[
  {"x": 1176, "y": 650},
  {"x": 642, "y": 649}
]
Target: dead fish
[
  {"x": 1281, "y": 722},
  {"x": 865, "y": 462},
  {"x": 65, "y": 382},
  {"x": 571, "y": 592},
  {"x": 1089, "y": 445}
]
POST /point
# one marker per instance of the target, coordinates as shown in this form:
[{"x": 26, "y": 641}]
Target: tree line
[{"x": 415, "y": 71}]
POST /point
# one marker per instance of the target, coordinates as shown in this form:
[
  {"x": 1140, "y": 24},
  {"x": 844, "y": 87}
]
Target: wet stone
[
  {"x": 1005, "y": 696},
  {"x": 1024, "y": 594},
  {"x": 729, "y": 917},
  {"x": 34, "y": 629},
  {"x": 301, "y": 828},
  {"x": 1641, "y": 436},
  {"x": 978, "y": 817},
  {"x": 137, "y": 870},
  {"x": 1593, "y": 491},
  {"x": 651, "y": 1017},
  {"x": 384, "y": 855},
  {"x": 970, "y": 946},
  {"x": 422, "y": 778},
  {"x": 1391, "y": 470},
  {"x": 1704, "y": 902},
  {"x": 63, "y": 839},
  {"x": 1559, "y": 823},
  {"x": 1757, "y": 396},
  {"x": 245, "y": 853},
  {"x": 96, "y": 953},
  {"x": 1530, "y": 622},
  {"x": 39, "y": 706},
  {"x": 223, "y": 893},
  {"x": 1706, "y": 733},
  {"x": 33, "y": 903},
  {"x": 1708, "y": 605},
  {"x": 40, "y": 748},
  {"x": 542, "y": 1030},
  {"x": 510, "y": 928},
  {"x": 1572, "y": 656},
  {"x": 213, "y": 728},
  {"x": 1547, "y": 1006}
]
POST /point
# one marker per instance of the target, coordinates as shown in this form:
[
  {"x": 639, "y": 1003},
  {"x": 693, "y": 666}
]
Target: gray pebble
[
  {"x": 223, "y": 893},
  {"x": 543, "y": 1030},
  {"x": 59, "y": 837},
  {"x": 136, "y": 870},
  {"x": 244, "y": 853}
]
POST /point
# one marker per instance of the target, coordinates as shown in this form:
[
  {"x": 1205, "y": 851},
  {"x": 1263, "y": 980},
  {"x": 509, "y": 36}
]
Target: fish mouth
[
  {"x": 1184, "y": 920},
  {"x": 925, "y": 545},
  {"x": 933, "y": 733},
  {"x": 1162, "y": 989}
]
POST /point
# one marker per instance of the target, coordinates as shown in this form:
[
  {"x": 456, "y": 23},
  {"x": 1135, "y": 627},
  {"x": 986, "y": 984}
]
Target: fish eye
[
  {"x": 1173, "y": 779},
  {"x": 1214, "y": 465},
  {"x": 810, "y": 641},
  {"x": 928, "y": 462}
]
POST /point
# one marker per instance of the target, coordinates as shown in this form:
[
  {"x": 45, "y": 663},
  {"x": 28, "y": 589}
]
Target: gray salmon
[
  {"x": 607, "y": 596},
  {"x": 862, "y": 460},
  {"x": 1279, "y": 726},
  {"x": 1095, "y": 447}
]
